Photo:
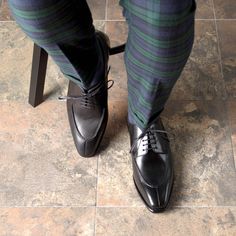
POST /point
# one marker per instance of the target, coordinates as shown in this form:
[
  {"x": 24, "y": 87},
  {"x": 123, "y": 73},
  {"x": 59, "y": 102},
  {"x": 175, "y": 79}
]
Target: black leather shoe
[
  {"x": 152, "y": 165},
  {"x": 88, "y": 109}
]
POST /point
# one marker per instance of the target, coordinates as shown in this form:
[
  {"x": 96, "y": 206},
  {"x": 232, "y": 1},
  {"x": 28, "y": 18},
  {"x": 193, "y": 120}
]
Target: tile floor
[{"x": 47, "y": 189}]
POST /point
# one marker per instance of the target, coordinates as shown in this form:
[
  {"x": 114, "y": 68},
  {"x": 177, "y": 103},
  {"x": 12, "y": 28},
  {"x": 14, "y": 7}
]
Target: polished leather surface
[
  {"x": 88, "y": 116},
  {"x": 152, "y": 165}
]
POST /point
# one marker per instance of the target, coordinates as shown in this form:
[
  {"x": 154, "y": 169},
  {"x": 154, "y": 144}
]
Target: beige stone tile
[
  {"x": 4, "y": 11},
  {"x": 202, "y": 153},
  {"x": 201, "y": 77},
  {"x": 16, "y": 58},
  {"x": 115, "y": 185},
  {"x": 227, "y": 37},
  {"x": 178, "y": 221},
  {"x": 98, "y": 9},
  {"x": 114, "y": 10},
  {"x": 39, "y": 164},
  {"x": 117, "y": 32},
  {"x": 204, "y": 9},
  {"x": 47, "y": 221},
  {"x": 231, "y": 105},
  {"x": 225, "y": 9}
]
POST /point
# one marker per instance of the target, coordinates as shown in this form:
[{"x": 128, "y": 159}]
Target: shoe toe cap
[
  {"x": 158, "y": 198},
  {"x": 155, "y": 198}
]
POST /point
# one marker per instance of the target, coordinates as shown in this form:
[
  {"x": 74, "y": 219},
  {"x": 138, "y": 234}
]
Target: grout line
[
  {"x": 106, "y": 7},
  {"x": 218, "y": 48},
  {"x": 229, "y": 120},
  {"x": 222, "y": 76},
  {"x": 95, "y": 217},
  {"x": 219, "y": 51},
  {"x": 114, "y": 206},
  {"x": 170, "y": 207},
  {"x": 218, "y": 41},
  {"x": 96, "y": 198},
  {"x": 225, "y": 19}
]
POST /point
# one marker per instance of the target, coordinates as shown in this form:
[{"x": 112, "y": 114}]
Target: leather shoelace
[
  {"x": 150, "y": 141},
  {"x": 87, "y": 98}
]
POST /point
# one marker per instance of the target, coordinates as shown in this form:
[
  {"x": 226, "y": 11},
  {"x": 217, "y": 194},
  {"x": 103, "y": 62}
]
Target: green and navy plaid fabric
[{"x": 160, "y": 39}]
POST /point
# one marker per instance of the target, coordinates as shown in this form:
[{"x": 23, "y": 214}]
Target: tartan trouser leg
[
  {"x": 160, "y": 39},
  {"x": 64, "y": 28}
]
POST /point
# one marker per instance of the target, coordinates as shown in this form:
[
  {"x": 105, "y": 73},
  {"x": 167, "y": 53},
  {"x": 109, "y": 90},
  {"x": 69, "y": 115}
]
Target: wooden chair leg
[{"x": 38, "y": 73}]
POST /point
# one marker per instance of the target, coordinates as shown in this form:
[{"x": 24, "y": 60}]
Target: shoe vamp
[
  {"x": 88, "y": 121},
  {"x": 152, "y": 168}
]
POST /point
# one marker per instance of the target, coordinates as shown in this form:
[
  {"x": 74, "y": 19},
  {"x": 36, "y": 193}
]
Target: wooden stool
[{"x": 38, "y": 72}]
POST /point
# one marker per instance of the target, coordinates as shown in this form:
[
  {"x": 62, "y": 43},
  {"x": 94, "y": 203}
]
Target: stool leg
[{"x": 38, "y": 73}]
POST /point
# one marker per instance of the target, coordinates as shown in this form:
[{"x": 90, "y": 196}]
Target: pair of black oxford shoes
[{"x": 150, "y": 150}]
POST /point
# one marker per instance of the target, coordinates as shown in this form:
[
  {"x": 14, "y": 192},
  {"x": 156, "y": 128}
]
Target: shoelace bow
[
  {"x": 150, "y": 141},
  {"x": 85, "y": 98}
]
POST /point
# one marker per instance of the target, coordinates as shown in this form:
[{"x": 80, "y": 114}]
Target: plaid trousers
[{"x": 160, "y": 39}]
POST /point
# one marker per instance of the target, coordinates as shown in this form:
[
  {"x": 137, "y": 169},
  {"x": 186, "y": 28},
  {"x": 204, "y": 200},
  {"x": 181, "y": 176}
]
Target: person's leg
[
  {"x": 160, "y": 39},
  {"x": 64, "y": 28}
]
